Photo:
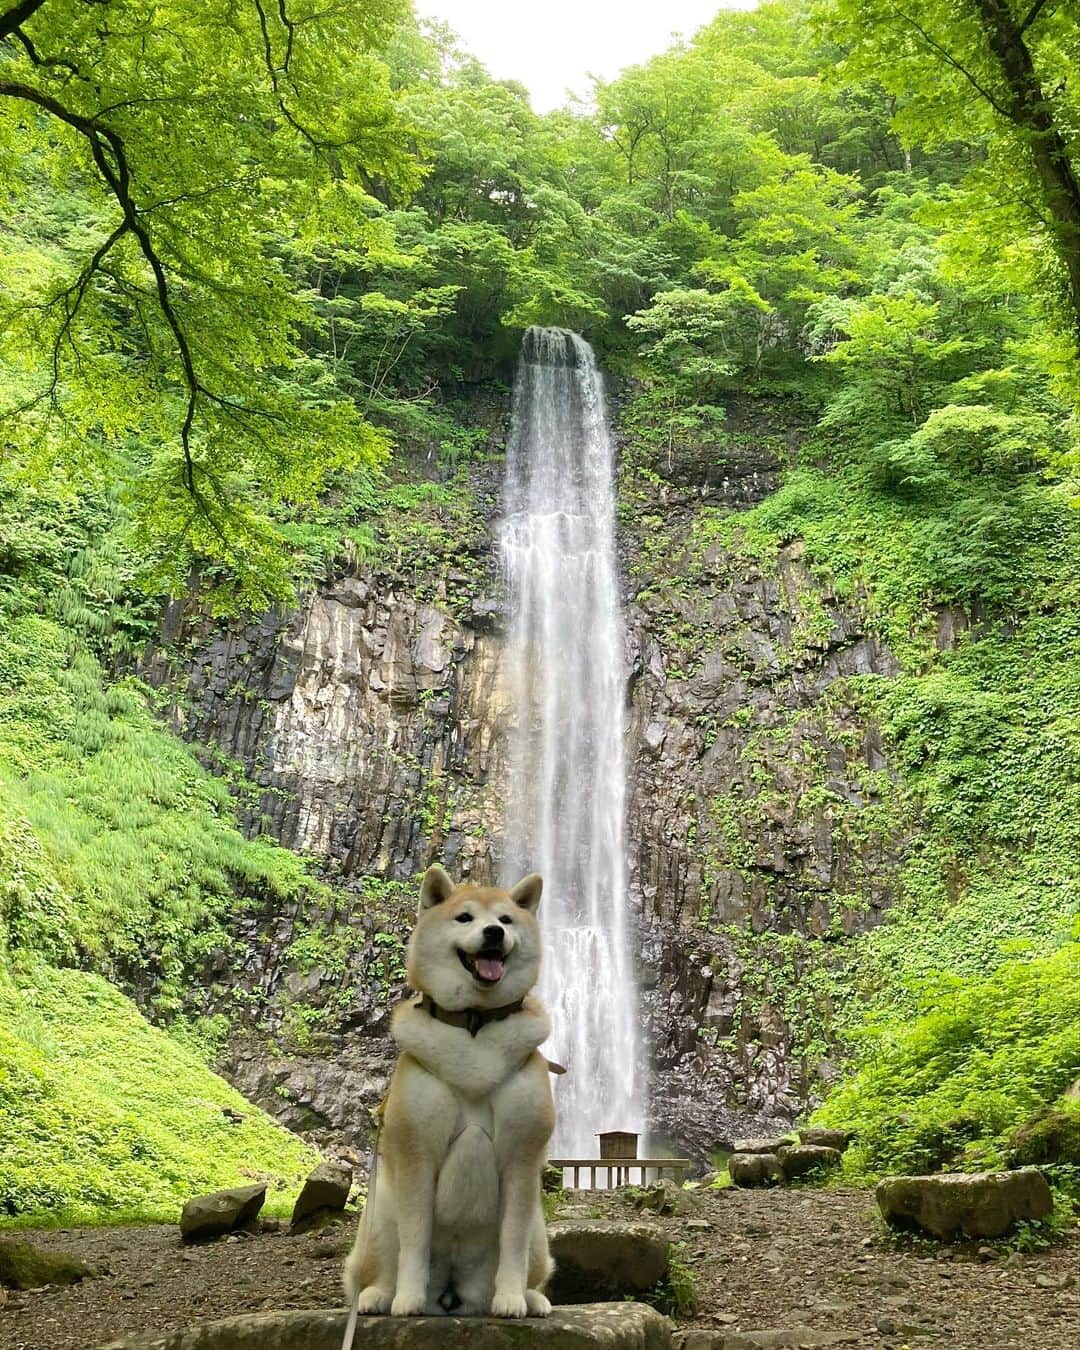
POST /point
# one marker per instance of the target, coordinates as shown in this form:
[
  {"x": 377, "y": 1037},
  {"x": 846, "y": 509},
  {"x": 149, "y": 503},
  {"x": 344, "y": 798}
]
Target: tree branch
[
  {"x": 948, "y": 56},
  {"x": 36, "y": 57},
  {"x": 320, "y": 147},
  {"x": 107, "y": 149},
  {"x": 1033, "y": 13},
  {"x": 17, "y": 15}
]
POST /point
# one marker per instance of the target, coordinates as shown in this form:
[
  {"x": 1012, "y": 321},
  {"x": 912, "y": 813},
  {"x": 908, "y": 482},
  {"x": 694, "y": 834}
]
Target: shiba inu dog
[{"x": 455, "y": 1223}]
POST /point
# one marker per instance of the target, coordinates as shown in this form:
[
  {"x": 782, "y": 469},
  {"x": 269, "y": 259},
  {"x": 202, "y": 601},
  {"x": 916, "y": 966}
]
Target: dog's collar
[{"x": 472, "y": 1019}]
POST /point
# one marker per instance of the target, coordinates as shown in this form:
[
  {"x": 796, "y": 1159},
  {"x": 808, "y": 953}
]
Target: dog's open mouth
[{"x": 487, "y": 967}]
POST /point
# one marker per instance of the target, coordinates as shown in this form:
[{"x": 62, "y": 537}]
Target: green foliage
[
  {"x": 103, "y": 1116},
  {"x": 995, "y": 75},
  {"x": 677, "y": 1296},
  {"x": 151, "y": 333},
  {"x": 252, "y": 257},
  {"x": 950, "y": 1086},
  {"x": 115, "y": 845}
]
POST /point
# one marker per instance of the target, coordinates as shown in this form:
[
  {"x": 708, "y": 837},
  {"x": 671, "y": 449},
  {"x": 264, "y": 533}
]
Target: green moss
[
  {"x": 103, "y": 1116},
  {"x": 1049, "y": 1137}
]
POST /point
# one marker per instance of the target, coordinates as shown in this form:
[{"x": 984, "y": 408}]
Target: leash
[
  {"x": 373, "y": 1172},
  {"x": 350, "y": 1325}
]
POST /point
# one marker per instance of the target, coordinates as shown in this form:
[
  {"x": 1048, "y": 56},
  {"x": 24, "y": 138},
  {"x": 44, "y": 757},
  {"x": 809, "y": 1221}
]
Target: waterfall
[{"x": 566, "y": 803}]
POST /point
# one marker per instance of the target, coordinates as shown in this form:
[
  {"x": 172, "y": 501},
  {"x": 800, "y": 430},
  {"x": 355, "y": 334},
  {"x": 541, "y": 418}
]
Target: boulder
[
  {"x": 665, "y": 1197},
  {"x": 977, "y": 1204},
  {"x": 755, "y": 1169},
  {"x": 211, "y": 1216},
  {"x": 325, "y": 1191},
  {"x": 771, "y": 1145},
  {"x": 802, "y": 1160},
  {"x": 605, "y": 1259},
  {"x": 24, "y": 1266},
  {"x": 1047, "y": 1137},
  {"x": 837, "y": 1139},
  {"x": 605, "y": 1326}
]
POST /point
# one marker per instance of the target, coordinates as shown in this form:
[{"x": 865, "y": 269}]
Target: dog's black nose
[{"x": 493, "y": 935}]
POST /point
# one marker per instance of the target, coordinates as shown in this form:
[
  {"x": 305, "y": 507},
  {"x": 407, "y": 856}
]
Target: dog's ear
[
  {"x": 435, "y": 887},
  {"x": 527, "y": 892}
]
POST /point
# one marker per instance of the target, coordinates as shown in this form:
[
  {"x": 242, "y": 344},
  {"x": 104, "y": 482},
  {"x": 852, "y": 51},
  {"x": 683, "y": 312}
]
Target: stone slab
[{"x": 593, "y": 1326}]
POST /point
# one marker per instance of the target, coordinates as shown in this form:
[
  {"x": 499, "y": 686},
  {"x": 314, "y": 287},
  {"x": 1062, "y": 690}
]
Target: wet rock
[
  {"x": 326, "y": 1191},
  {"x": 755, "y": 1169},
  {"x": 605, "y": 1259},
  {"x": 979, "y": 1204},
  {"x": 620, "y": 1326},
  {"x": 24, "y": 1266},
  {"x": 803, "y": 1160},
  {"x": 837, "y": 1139},
  {"x": 211, "y": 1216}
]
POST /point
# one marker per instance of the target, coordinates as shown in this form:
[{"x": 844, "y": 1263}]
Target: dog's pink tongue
[{"x": 489, "y": 968}]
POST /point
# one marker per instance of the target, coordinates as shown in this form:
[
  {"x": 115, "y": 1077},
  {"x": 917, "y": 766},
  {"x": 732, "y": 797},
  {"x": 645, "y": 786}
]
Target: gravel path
[{"x": 767, "y": 1260}]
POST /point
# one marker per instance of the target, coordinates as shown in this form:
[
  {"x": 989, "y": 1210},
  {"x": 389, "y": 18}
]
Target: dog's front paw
[
  {"x": 373, "y": 1300},
  {"x": 539, "y": 1304},
  {"x": 408, "y": 1304},
  {"x": 509, "y": 1305}
]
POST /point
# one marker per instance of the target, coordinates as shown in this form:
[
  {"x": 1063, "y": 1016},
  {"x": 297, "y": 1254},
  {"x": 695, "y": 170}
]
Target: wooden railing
[{"x": 617, "y": 1171}]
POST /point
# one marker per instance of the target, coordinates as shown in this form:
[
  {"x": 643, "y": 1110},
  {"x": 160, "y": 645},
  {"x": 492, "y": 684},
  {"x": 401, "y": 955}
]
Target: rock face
[
  {"x": 211, "y": 1216},
  {"x": 24, "y": 1266},
  {"x": 605, "y": 1259},
  {"x": 620, "y": 1326},
  {"x": 978, "y": 1204},
  {"x": 326, "y": 1191},
  {"x": 374, "y": 723}
]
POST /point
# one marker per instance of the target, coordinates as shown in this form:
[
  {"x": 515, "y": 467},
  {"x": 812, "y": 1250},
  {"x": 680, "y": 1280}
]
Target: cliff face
[
  {"x": 373, "y": 723},
  {"x": 762, "y": 821}
]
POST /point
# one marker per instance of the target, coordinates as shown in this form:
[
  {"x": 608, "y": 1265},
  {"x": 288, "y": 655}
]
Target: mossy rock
[
  {"x": 23, "y": 1266},
  {"x": 1048, "y": 1137}
]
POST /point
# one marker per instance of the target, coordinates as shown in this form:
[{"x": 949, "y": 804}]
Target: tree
[
  {"x": 999, "y": 71},
  {"x": 155, "y": 330}
]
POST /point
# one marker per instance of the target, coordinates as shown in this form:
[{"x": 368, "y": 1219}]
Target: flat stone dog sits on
[{"x": 455, "y": 1223}]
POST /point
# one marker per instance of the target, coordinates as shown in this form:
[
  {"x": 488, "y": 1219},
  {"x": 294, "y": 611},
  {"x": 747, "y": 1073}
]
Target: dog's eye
[
  {"x": 463, "y": 918},
  {"x": 505, "y": 918}
]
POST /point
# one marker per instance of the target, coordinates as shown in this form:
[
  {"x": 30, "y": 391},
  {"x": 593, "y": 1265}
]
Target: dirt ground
[{"x": 785, "y": 1259}]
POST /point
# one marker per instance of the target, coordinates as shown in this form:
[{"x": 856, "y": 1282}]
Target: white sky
[{"x": 555, "y": 45}]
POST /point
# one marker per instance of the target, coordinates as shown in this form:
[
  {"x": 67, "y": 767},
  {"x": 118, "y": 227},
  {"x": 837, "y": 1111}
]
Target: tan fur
[{"x": 465, "y": 1125}]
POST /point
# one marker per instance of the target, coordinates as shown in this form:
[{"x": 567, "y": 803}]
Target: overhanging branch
[
  {"x": 110, "y": 158},
  {"x": 10, "y": 19}
]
